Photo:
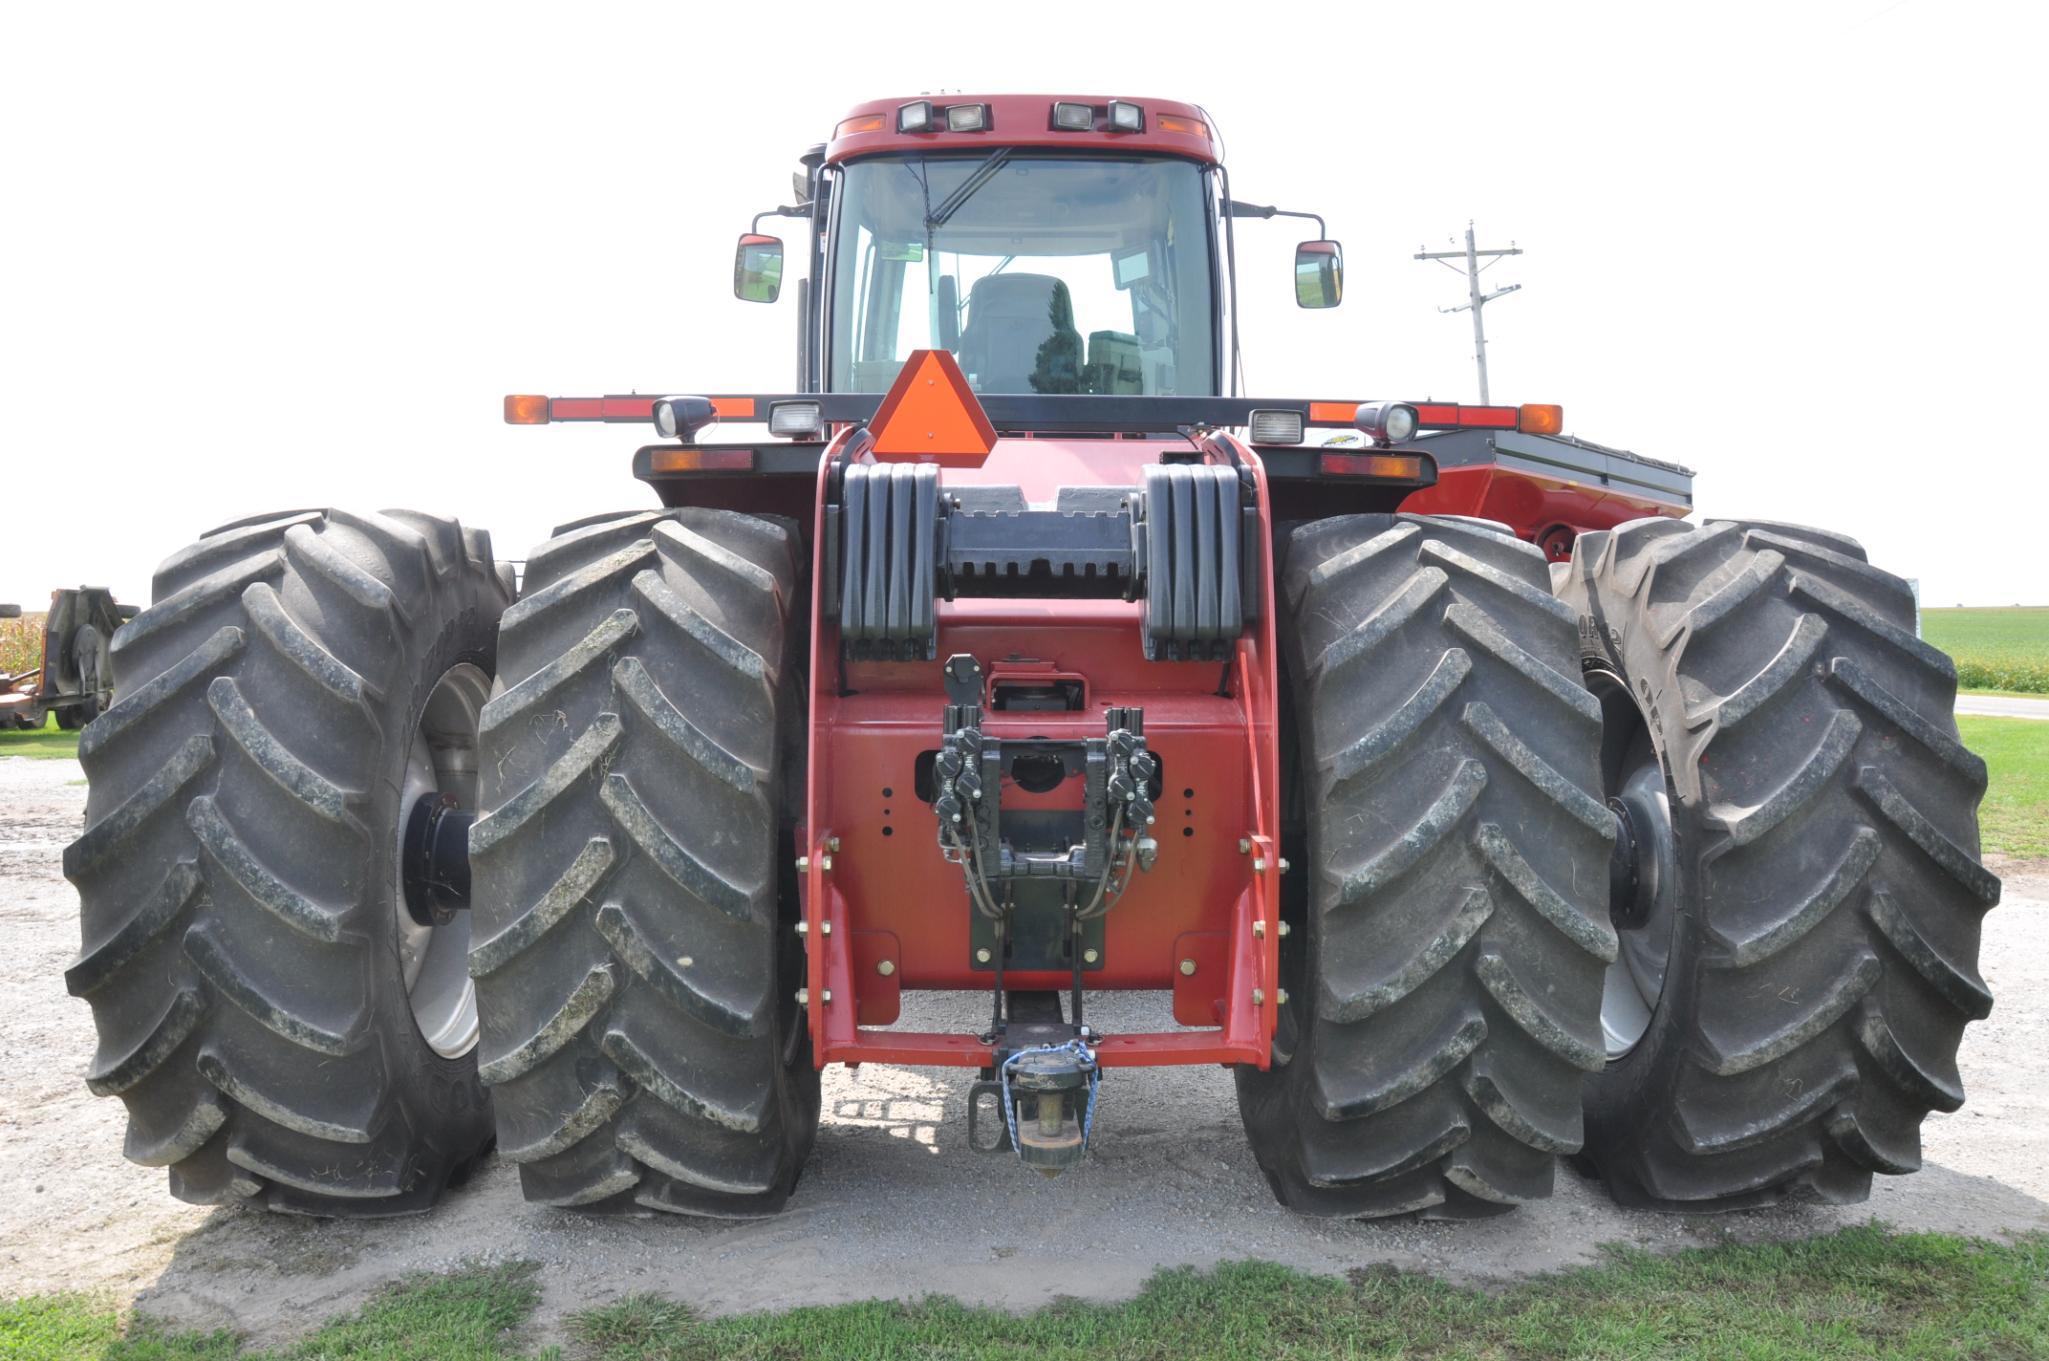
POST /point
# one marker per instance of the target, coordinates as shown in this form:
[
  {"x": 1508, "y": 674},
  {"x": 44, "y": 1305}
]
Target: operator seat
[{"x": 1020, "y": 335}]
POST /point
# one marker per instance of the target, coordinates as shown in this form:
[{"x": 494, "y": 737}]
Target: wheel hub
[
  {"x": 1642, "y": 884},
  {"x": 431, "y": 844}
]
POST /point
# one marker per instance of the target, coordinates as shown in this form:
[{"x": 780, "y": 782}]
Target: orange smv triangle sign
[{"x": 931, "y": 416}]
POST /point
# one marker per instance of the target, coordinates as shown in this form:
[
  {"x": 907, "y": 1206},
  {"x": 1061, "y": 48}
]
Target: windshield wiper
[{"x": 983, "y": 173}]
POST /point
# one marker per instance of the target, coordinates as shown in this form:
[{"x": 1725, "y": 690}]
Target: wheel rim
[
  {"x": 1644, "y": 880},
  {"x": 434, "y": 959}
]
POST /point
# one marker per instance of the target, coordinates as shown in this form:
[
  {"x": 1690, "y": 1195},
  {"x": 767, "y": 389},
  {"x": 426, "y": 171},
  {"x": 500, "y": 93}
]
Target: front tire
[
  {"x": 1789, "y": 1008},
  {"x": 1444, "y": 965},
  {"x": 239, "y": 881},
  {"x": 637, "y": 959}
]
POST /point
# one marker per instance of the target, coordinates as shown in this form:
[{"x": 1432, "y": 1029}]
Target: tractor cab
[{"x": 1052, "y": 246}]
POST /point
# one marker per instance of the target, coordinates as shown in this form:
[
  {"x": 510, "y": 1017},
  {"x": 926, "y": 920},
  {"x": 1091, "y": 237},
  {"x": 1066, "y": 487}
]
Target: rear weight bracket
[{"x": 1179, "y": 541}]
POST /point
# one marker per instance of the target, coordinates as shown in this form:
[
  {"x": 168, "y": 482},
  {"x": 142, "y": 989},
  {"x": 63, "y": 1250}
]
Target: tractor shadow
[{"x": 894, "y": 1203}]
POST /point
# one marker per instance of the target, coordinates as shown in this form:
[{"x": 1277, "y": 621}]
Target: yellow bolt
[
  {"x": 832, "y": 844},
  {"x": 981, "y": 956},
  {"x": 1259, "y": 997},
  {"x": 886, "y": 968},
  {"x": 1259, "y": 930},
  {"x": 803, "y": 997},
  {"x": 1258, "y": 865},
  {"x": 1089, "y": 956},
  {"x": 1284, "y": 928},
  {"x": 1281, "y": 997},
  {"x": 1188, "y": 968}
]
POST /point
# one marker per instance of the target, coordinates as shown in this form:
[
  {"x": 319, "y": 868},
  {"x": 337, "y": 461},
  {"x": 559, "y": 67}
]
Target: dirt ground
[{"x": 893, "y": 1203}]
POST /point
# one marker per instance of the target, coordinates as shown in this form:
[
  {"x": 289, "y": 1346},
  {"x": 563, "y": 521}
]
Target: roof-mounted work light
[
  {"x": 967, "y": 118},
  {"x": 1126, "y": 117},
  {"x": 1068, "y": 117},
  {"x": 915, "y": 116}
]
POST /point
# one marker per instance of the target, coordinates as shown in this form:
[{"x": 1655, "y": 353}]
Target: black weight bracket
[{"x": 1182, "y": 541}]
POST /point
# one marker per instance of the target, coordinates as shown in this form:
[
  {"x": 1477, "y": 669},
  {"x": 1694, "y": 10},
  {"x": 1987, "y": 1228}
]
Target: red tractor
[{"x": 1020, "y": 660}]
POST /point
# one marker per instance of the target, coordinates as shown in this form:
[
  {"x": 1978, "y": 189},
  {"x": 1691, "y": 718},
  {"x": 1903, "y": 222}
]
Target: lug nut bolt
[
  {"x": 803, "y": 864},
  {"x": 1244, "y": 845},
  {"x": 1258, "y": 865},
  {"x": 1285, "y": 866},
  {"x": 832, "y": 844},
  {"x": 1284, "y": 928},
  {"x": 825, "y": 863},
  {"x": 803, "y": 928},
  {"x": 1259, "y": 930},
  {"x": 1188, "y": 968},
  {"x": 886, "y": 967},
  {"x": 803, "y": 997},
  {"x": 825, "y": 926},
  {"x": 1259, "y": 997},
  {"x": 826, "y": 995},
  {"x": 1281, "y": 997}
]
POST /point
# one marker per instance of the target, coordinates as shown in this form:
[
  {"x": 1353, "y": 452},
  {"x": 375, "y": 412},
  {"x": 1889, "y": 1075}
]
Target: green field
[
  {"x": 1858, "y": 1293},
  {"x": 1995, "y": 649}
]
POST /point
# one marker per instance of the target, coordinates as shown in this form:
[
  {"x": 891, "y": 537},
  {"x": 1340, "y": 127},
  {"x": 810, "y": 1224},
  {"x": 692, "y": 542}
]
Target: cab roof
[{"x": 1025, "y": 121}]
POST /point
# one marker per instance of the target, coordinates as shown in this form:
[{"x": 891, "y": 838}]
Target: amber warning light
[{"x": 526, "y": 410}]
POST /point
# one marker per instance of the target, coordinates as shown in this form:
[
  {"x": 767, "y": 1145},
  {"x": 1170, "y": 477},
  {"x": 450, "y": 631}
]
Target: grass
[
  {"x": 1863, "y": 1292},
  {"x": 2014, "y": 819},
  {"x": 2003, "y": 650},
  {"x": 49, "y": 742}
]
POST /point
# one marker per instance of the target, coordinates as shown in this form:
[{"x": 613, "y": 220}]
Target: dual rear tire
[{"x": 1761, "y": 995}]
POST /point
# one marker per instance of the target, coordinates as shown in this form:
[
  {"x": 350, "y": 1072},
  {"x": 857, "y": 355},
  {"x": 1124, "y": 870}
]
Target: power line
[{"x": 1475, "y": 299}]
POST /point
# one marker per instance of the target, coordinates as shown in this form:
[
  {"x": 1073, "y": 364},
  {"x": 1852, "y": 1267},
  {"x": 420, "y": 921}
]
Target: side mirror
[
  {"x": 758, "y": 268},
  {"x": 1319, "y": 274}
]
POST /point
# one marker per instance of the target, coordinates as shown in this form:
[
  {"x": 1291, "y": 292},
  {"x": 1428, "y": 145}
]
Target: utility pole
[{"x": 1475, "y": 299}]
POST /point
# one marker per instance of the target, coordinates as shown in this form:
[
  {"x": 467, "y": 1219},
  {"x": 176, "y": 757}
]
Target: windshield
[{"x": 1041, "y": 274}]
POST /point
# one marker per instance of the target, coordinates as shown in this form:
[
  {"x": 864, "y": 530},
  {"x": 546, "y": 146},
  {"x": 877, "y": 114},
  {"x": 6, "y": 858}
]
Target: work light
[
  {"x": 1386, "y": 422},
  {"x": 1073, "y": 117},
  {"x": 794, "y": 419},
  {"x": 1276, "y": 427},
  {"x": 683, "y": 417},
  {"x": 967, "y": 118},
  {"x": 915, "y": 116},
  {"x": 1126, "y": 117}
]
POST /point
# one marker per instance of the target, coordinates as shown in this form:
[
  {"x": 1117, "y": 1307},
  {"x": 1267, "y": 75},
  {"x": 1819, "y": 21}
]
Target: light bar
[
  {"x": 795, "y": 420},
  {"x": 1073, "y": 117},
  {"x": 967, "y": 118},
  {"x": 915, "y": 116},
  {"x": 1276, "y": 427},
  {"x": 1125, "y": 117}
]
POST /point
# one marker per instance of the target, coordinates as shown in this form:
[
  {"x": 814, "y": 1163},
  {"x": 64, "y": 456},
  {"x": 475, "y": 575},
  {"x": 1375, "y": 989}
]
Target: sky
[{"x": 266, "y": 257}]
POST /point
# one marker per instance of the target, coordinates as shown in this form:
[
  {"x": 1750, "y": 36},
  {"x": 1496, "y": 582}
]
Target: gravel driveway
[{"x": 893, "y": 1203}]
